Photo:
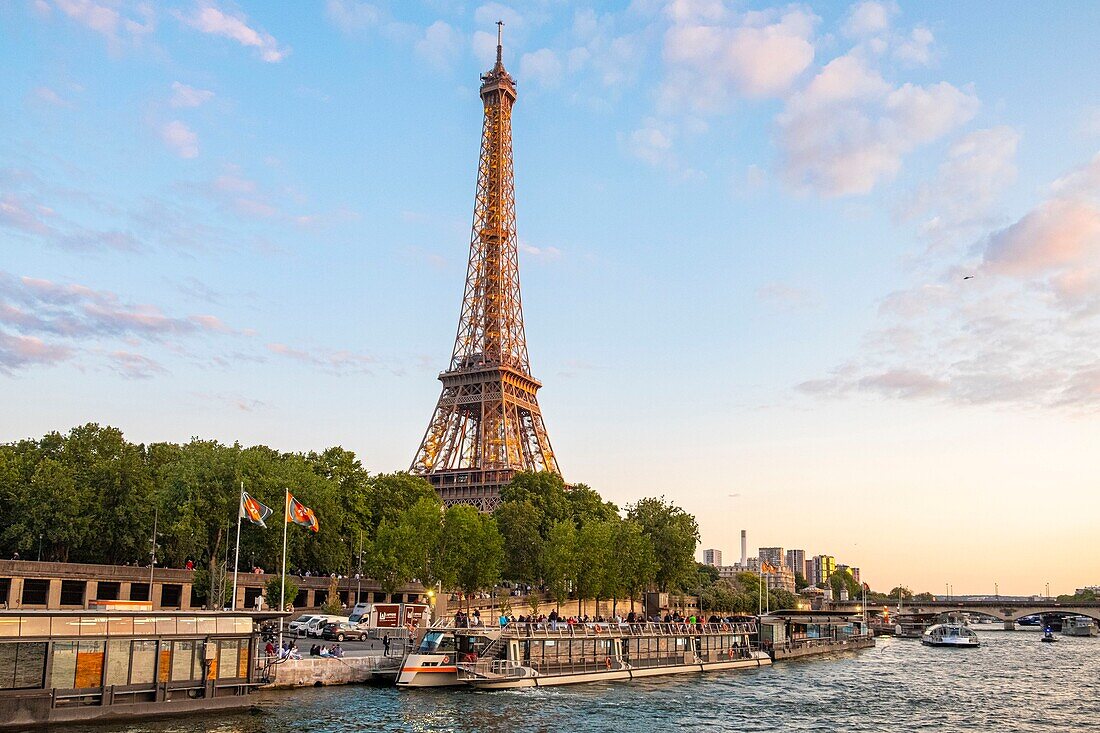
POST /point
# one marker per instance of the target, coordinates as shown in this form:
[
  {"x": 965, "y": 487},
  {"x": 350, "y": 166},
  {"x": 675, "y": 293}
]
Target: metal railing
[{"x": 596, "y": 630}]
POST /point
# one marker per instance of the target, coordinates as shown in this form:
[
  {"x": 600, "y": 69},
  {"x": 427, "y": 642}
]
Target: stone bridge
[{"x": 1008, "y": 611}]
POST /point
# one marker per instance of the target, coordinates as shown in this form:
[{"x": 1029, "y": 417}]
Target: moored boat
[
  {"x": 433, "y": 662},
  {"x": 950, "y": 635},
  {"x": 542, "y": 655},
  {"x": 1079, "y": 626}
]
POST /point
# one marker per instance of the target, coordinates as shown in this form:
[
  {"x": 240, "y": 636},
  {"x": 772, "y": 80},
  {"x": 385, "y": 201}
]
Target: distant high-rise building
[
  {"x": 712, "y": 557},
  {"x": 744, "y": 547},
  {"x": 854, "y": 572},
  {"x": 796, "y": 561},
  {"x": 823, "y": 567},
  {"x": 808, "y": 573},
  {"x": 773, "y": 556}
]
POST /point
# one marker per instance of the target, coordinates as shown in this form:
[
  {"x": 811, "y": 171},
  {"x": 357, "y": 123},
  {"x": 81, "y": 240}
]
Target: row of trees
[
  {"x": 572, "y": 540},
  {"x": 91, "y": 496}
]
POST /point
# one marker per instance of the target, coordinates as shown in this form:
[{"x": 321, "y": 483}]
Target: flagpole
[
  {"x": 282, "y": 585},
  {"x": 237, "y": 554}
]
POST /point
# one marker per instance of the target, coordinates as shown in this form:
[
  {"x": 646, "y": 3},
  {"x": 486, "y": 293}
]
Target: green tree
[
  {"x": 800, "y": 582},
  {"x": 272, "y": 589},
  {"x": 843, "y": 580},
  {"x": 901, "y": 592},
  {"x": 475, "y": 550},
  {"x": 585, "y": 505},
  {"x": 545, "y": 491},
  {"x": 593, "y": 566},
  {"x": 559, "y": 560},
  {"x": 635, "y": 564},
  {"x": 518, "y": 521},
  {"x": 674, "y": 535}
]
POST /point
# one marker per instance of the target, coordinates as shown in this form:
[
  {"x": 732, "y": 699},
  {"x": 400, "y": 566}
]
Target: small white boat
[
  {"x": 953, "y": 635},
  {"x": 1079, "y": 626}
]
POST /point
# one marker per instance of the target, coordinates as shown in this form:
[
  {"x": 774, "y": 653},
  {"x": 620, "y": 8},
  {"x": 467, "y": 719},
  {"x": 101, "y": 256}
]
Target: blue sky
[{"x": 745, "y": 229}]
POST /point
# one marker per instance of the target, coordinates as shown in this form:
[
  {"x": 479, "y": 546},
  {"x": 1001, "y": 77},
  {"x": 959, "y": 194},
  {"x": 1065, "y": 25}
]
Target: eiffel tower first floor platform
[{"x": 480, "y": 489}]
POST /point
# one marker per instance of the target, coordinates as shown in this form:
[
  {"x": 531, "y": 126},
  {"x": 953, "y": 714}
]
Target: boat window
[
  {"x": 166, "y": 625},
  {"x": 183, "y": 655},
  {"x": 145, "y": 625},
  {"x": 207, "y": 625},
  {"x": 144, "y": 658},
  {"x": 63, "y": 668},
  {"x": 187, "y": 625},
  {"x": 120, "y": 626},
  {"x": 242, "y": 661},
  {"x": 118, "y": 662},
  {"x": 227, "y": 653},
  {"x": 65, "y": 626},
  {"x": 93, "y": 626},
  {"x": 22, "y": 665},
  {"x": 226, "y": 625},
  {"x": 437, "y": 642},
  {"x": 9, "y": 626}
]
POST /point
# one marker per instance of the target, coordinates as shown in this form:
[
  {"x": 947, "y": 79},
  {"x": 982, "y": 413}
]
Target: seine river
[{"x": 1012, "y": 683}]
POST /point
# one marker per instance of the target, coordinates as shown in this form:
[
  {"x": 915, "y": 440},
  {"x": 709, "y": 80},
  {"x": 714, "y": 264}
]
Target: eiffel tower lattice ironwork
[{"x": 487, "y": 424}]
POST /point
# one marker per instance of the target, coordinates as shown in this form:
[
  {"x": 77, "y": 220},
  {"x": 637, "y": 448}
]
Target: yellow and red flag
[
  {"x": 299, "y": 513},
  {"x": 253, "y": 510}
]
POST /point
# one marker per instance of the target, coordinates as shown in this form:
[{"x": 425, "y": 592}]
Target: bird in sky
[
  {"x": 968, "y": 277},
  {"x": 734, "y": 496}
]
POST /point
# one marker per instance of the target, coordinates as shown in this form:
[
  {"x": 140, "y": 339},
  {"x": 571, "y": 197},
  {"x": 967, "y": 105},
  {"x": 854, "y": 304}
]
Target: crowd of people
[{"x": 553, "y": 620}]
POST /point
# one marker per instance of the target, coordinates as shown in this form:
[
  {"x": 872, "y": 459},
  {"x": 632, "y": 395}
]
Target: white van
[
  {"x": 360, "y": 614},
  {"x": 298, "y": 625},
  {"x": 317, "y": 624}
]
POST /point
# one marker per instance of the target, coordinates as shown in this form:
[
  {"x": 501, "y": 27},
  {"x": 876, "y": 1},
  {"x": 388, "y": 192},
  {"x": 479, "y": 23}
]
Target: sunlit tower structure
[{"x": 487, "y": 424}]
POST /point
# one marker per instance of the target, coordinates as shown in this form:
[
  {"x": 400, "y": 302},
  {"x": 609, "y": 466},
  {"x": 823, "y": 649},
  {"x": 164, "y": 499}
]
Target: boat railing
[
  {"x": 491, "y": 669},
  {"x": 562, "y": 629}
]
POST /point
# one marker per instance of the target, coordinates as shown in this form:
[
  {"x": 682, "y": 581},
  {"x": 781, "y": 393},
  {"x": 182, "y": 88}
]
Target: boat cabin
[{"x": 58, "y": 666}]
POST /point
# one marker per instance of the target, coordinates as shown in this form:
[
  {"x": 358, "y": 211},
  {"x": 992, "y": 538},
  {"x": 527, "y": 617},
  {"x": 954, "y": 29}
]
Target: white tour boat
[
  {"x": 953, "y": 635},
  {"x": 433, "y": 662},
  {"x": 542, "y": 655}
]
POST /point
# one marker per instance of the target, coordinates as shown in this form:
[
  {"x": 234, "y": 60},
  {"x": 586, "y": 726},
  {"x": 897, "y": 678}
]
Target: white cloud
[
  {"x": 440, "y": 45},
  {"x": 485, "y": 47},
  {"x": 542, "y": 67},
  {"x": 488, "y": 14},
  {"x": 916, "y": 50},
  {"x": 106, "y": 20},
  {"x": 652, "y": 142},
  {"x": 541, "y": 253},
  {"x": 208, "y": 18},
  {"x": 188, "y": 96},
  {"x": 759, "y": 54},
  {"x": 849, "y": 129},
  {"x": 869, "y": 18},
  {"x": 351, "y": 16},
  {"x": 978, "y": 168},
  {"x": 181, "y": 139}
]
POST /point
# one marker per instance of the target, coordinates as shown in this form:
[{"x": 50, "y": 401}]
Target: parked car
[
  {"x": 341, "y": 630},
  {"x": 298, "y": 625},
  {"x": 317, "y": 624}
]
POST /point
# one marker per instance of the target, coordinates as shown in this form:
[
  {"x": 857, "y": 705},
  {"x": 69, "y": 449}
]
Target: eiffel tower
[{"x": 487, "y": 424}]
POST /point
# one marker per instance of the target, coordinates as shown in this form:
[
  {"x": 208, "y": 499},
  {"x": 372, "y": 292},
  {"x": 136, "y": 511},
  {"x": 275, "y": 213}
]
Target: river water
[{"x": 1012, "y": 683}]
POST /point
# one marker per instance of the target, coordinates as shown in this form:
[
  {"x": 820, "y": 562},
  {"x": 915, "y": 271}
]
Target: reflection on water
[{"x": 1013, "y": 683}]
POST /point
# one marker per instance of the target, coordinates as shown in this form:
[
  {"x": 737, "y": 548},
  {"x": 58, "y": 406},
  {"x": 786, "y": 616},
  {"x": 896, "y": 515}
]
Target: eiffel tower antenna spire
[{"x": 487, "y": 424}]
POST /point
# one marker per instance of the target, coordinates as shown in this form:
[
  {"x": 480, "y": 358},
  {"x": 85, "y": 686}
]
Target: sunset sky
[{"x": 828, "y": 272}]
